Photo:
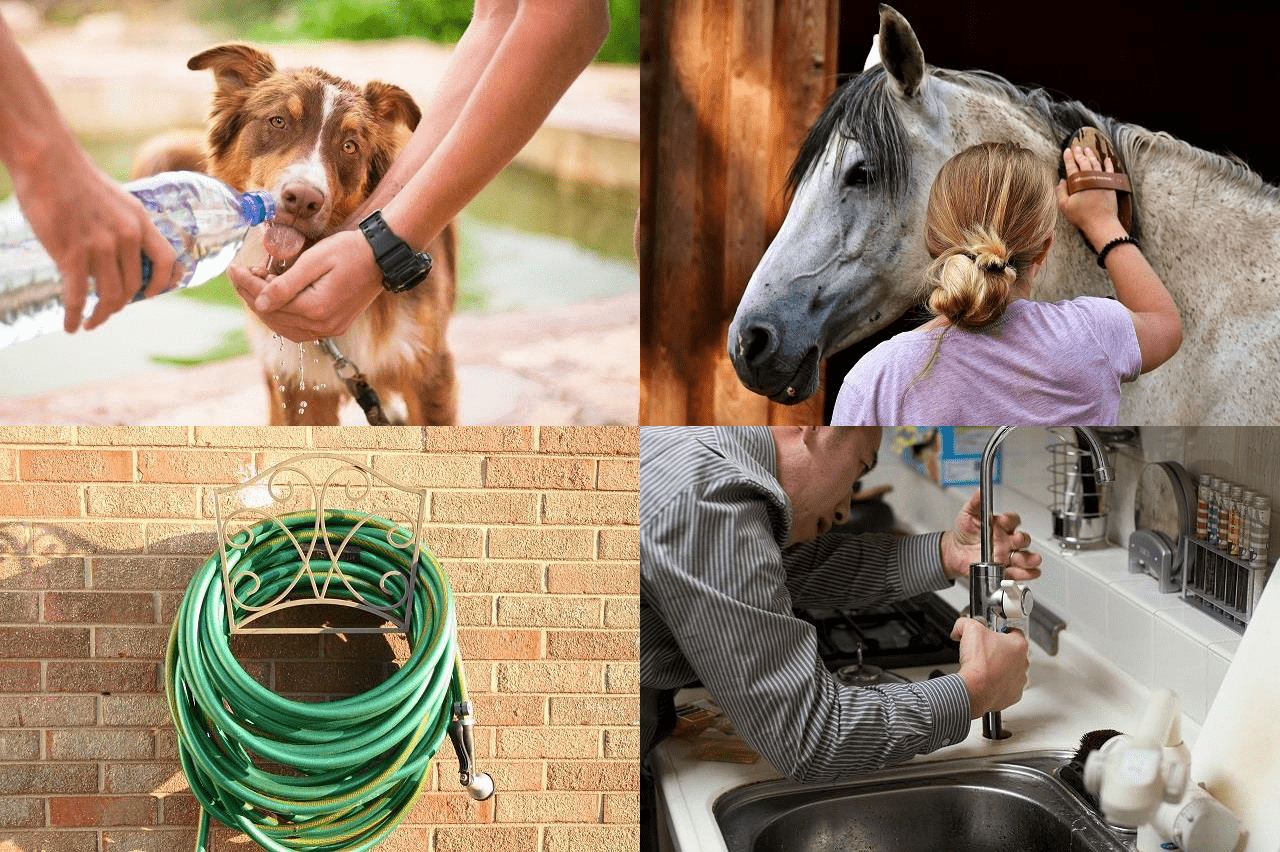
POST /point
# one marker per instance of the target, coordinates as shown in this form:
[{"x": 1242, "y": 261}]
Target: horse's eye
[{"x": 857, "y": 176}]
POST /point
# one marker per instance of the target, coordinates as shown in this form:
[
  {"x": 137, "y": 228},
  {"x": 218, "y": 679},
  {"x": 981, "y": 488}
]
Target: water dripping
[
  {"x": 275, "y": 374},
  {"x": 315, "y": 362},
  {"x": 302, "y": 366}
]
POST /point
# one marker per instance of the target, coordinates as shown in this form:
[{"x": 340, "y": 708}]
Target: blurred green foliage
[
  {"x": 437, "y": 20},
  {"x": 623, "y": 43}
]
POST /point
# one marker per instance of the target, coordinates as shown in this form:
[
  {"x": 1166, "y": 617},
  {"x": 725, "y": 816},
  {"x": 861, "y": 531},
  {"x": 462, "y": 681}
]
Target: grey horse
[{"x": 849, "y": 257}]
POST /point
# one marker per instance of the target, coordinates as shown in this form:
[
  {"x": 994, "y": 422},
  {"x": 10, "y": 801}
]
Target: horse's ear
[{"x": 900, "y": 52}]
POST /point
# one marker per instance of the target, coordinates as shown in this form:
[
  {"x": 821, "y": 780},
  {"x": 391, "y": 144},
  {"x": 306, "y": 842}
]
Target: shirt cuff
[
  {"x": 948, "y": 698},
  {"x": 920, "y": 564}
]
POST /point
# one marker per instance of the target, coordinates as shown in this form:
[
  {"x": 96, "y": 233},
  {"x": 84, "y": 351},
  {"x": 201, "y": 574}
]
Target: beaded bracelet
[{"x": 1102, "y": 252}]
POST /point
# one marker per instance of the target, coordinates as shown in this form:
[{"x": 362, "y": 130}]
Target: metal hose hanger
[{"x": 359, "y": 762}]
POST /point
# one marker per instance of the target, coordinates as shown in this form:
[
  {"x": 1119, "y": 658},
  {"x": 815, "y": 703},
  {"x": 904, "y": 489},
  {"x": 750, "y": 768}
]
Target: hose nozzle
[{"x": 479, "y": 784}]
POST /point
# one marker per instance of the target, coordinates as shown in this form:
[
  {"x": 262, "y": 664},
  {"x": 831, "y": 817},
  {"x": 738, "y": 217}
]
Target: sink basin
[{"x": 1011, "y": 802}]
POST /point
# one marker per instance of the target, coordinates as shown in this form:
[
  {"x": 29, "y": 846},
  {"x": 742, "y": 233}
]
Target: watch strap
[{"x": 402, "y": 267}]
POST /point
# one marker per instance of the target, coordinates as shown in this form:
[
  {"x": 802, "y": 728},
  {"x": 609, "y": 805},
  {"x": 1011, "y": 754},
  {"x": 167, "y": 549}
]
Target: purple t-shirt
[{"x": 1041, "y": 363}]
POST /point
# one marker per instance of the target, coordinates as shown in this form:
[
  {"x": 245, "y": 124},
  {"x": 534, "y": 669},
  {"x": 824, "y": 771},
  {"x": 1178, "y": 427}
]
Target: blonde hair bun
[{"x": 971, "y": 285}]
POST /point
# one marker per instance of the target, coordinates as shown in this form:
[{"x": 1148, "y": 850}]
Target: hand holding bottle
[
  {"x": 88, "y": 225},
  {"x": 93, "y": 229}
]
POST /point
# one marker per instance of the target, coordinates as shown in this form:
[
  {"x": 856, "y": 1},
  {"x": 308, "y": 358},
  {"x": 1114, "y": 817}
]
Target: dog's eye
[
  {"x": 277, "y": 121},
  {"x": 350, "y": 147}
]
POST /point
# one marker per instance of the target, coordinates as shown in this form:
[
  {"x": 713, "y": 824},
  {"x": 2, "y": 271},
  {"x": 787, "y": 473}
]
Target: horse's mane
[{"x": 862, "y": 109}]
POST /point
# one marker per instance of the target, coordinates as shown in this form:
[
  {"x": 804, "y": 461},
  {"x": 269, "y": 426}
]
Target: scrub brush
[{"x": 1072, "y": 772}]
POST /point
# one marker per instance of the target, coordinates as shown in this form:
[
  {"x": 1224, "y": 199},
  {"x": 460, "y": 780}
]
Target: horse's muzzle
[{"x": 766, "y": 368}]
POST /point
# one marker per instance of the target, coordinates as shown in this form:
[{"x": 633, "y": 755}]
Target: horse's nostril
[{"x": 758, "y": 343}]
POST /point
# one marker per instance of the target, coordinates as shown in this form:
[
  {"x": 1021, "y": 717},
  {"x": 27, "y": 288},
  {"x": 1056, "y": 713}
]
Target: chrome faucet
[{"x": 997, "y": 599}]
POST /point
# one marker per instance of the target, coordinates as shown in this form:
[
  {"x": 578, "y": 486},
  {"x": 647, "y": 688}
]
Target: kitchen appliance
[
  {"x": 906, "y": 634},
  {"x": 1080, "y": 500},
  {"x": 1164, "y": 512}
]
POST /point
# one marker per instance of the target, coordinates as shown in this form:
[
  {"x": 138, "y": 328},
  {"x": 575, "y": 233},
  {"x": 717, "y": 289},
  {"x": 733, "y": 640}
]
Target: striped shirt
[{"x": 716, "y": 598}]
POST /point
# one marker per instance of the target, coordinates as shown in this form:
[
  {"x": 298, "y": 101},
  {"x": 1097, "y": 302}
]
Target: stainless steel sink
[{"x": 1013, "y": 802}]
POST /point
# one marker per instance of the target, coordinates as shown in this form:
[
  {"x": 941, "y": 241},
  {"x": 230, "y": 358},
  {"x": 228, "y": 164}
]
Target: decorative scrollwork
[{"x": 346, "y": 500}]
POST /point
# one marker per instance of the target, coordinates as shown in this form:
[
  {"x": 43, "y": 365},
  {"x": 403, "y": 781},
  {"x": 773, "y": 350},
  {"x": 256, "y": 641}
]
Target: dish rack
[
  {"x": 1221, "y": 584},
  {"x": 1079, "y": 500}
]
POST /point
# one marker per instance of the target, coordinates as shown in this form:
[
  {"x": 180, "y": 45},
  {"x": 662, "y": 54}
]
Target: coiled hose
[{"x": 360, "y": 761}]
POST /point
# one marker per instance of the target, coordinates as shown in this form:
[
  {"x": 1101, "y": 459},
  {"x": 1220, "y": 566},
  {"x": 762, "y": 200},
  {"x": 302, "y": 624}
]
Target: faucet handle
[{"x": 1012, "y": 601}]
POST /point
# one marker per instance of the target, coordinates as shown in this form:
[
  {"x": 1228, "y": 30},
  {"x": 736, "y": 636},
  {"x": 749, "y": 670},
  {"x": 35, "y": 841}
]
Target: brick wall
[{"x": 102, "y": 528}]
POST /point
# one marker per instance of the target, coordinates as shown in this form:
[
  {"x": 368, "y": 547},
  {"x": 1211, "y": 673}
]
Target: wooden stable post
[{"x": 728, "y": 90}]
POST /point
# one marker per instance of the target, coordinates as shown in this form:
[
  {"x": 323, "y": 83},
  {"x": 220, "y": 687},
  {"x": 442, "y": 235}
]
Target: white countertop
[{"x": 1084, "y": 687}]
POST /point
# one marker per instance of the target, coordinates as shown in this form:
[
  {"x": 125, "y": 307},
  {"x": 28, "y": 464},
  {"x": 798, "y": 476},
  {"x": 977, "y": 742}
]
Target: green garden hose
[{"x": 360, "y": 761}]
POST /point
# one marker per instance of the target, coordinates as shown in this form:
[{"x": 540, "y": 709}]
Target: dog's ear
[
  {"x": 235, "y": 66},
  {"x": 393, "y": 104}
]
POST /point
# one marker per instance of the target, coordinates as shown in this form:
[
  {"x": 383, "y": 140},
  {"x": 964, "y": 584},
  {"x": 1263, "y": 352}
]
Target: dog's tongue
[{"x": 282, "y": 243}]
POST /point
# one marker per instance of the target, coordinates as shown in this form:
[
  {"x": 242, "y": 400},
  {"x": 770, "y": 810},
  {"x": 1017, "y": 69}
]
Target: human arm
[
  {"x": 726, "y": 619},
  {"x": 512, "y": 65},
  {"x": 1156, "y": 318},
  {"x": 89, "y": 225},
  {"x": 858, "y": 570}
]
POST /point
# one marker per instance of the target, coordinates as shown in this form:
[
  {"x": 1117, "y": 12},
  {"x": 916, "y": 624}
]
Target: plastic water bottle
[{"x": 204, "y": 220}]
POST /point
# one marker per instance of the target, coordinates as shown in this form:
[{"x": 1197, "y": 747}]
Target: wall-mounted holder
[
  {"x": 1223, "y": 585},
  {"x": 323, "y": 485},
  {"x": 1080, "y": 497}
]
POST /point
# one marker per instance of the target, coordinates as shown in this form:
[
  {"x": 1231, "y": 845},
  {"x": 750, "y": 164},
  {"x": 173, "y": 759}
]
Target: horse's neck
[{"x": 1193, "y": 215}]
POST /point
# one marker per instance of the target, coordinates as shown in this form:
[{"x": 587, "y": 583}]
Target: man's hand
[
  {"x": 962, "y": 545},
  {"x": 993, "y": 665},
  {"x": 95, "y": 230},
  {"x": 327, "y": 288}
]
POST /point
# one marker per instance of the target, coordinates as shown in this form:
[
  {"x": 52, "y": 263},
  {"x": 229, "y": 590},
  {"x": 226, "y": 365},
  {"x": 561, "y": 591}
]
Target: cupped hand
[
  {"x": 962, "y": 544},
  {"x": 331, "y": 284}
]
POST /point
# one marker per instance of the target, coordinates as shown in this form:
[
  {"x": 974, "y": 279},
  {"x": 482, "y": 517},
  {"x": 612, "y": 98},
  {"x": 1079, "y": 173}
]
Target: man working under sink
[{"x": 731, "y": 523}]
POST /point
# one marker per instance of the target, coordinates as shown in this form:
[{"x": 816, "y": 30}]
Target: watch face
[{"x": 408, "y": 272}]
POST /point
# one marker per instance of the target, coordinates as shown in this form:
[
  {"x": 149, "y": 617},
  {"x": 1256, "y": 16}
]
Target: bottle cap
[{"x": 257, "y": 207}]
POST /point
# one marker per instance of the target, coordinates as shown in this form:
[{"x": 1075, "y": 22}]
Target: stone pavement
[{"x": 572, "y": 365}]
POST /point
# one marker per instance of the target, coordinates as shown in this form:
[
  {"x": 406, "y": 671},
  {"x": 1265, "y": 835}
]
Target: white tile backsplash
[
  {"x": 1181, "y": 664},
  {"x": 1130, "y": 636},
  {"x": 1087, "y": 603}
]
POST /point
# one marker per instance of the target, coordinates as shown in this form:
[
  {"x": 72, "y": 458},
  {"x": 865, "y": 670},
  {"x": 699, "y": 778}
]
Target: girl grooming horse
[
  {"x": 850, "y": 256},
  {"x": 990, "y": 355}
]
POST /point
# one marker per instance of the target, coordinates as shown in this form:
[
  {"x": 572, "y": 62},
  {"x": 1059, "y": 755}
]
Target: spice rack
[{"x": 1224, "y": 565}]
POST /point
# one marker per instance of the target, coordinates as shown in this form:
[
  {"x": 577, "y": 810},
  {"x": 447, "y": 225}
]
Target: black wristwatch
[{"x": 402, "y": 267}]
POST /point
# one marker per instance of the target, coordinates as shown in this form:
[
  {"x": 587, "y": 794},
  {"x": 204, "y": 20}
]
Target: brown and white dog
[{"x": 320, "y": 144}]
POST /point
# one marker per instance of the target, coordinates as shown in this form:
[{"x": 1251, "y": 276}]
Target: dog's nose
[{"x": 302, "y": 200}]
